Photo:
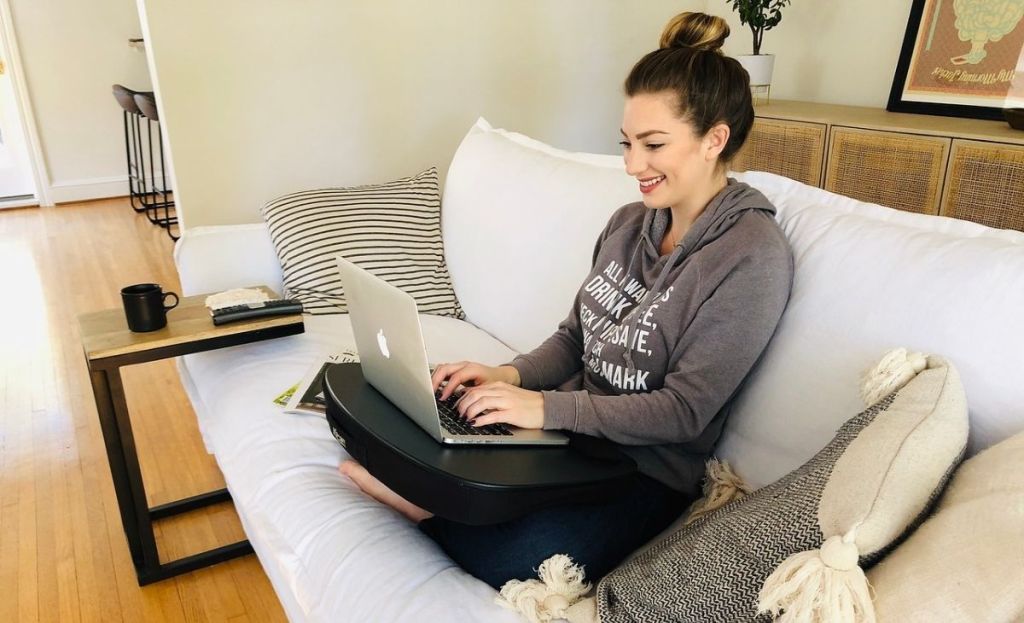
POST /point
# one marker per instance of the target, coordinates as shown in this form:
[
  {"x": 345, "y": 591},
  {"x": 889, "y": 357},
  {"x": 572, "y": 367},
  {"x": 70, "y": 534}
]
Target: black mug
[{"x": 144, "y": 306}]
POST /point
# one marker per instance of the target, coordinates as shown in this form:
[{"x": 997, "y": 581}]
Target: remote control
[{"x": 274, "y": 307}]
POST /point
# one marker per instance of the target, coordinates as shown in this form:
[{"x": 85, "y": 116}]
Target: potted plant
[{"x": 759, "y": 16}]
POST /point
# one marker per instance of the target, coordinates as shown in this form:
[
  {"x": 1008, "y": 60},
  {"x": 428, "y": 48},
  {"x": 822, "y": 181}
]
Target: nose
[{"x": 635, "y": 162}]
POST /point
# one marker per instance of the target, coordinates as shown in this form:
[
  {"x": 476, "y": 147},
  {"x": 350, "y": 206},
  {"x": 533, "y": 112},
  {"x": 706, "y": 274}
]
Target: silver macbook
[{"x": 393, "y": 357}]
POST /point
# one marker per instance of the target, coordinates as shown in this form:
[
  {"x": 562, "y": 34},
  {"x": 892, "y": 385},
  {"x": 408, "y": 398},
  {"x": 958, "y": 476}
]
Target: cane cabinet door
[
  {"x": 794, "y": 149},
  {"x": 985, "y": 184},
  {"x": 894, "y": 169}
]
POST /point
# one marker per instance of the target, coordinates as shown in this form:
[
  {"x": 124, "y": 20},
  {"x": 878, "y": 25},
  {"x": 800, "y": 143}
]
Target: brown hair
[{"x": 710, "y": 88}]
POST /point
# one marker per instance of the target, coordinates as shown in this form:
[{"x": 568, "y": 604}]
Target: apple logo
[{"x": 383, "y": 343}]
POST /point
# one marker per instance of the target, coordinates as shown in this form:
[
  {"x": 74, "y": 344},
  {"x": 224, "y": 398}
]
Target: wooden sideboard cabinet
[{"x": 963, "y": 168}]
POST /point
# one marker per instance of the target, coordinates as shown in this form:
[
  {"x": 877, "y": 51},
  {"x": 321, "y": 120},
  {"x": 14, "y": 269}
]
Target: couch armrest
[{"x": 217, "y": 258}]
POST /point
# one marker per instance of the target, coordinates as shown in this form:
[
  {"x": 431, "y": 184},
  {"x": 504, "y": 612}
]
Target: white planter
[{"x": 759, "y": 67}]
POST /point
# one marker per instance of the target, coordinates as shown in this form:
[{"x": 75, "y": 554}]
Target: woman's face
[{"x": 662, "y": 151}]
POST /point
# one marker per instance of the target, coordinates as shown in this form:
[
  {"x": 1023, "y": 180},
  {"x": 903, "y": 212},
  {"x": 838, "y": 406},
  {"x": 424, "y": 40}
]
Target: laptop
[{"x": 393, "y": 358}]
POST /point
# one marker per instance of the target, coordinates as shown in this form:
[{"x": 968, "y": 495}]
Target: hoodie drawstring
[
  {"x": 588, "y": 353},
  {"x": 639, "y": 311}
]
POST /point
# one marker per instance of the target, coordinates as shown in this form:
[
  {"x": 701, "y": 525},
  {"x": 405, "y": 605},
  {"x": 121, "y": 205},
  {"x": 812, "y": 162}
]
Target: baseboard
[
  {"x": 84, "y": 190},
  {"x": 18, "y": 203}
]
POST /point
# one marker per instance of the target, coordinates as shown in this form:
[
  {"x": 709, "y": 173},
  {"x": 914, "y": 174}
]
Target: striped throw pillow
[{"x": 392, "y": 230}]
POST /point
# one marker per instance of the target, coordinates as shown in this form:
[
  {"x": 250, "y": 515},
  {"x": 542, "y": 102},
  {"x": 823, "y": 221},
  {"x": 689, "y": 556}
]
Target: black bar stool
[
  {"x": 158, "y": 194},
  {"x": 132, "y": 146}
]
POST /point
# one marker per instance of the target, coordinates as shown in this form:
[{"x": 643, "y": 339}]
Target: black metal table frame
[{"x": 136, "y": 516}]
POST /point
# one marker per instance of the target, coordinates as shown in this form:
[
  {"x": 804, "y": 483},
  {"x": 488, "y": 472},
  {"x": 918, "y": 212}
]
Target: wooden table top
[
  {"x": 105, "y": 333},
  {"x": 881, "y": 119}
]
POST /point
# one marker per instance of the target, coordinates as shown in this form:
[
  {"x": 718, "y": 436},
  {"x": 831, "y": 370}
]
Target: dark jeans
[{"x": 597, "y": 536}]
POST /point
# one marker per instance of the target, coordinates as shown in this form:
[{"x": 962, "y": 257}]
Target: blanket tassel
[
  {"x": 560, "y": 586},
  {"x": 825, "y": 585}
]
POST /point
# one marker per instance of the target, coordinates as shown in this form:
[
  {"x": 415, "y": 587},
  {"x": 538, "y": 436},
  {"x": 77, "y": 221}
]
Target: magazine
[{"x": 307, "y": 396}]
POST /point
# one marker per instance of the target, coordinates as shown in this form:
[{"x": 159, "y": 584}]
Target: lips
[{"x": 648, "y": 185}]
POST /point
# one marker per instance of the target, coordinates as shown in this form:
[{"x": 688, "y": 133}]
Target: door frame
[{"x": 26, "y": 117}]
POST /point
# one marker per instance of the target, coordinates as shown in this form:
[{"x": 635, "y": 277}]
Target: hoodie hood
[
  {"x": 717, "y": 218},
  {"x": 721, "y": 213}
]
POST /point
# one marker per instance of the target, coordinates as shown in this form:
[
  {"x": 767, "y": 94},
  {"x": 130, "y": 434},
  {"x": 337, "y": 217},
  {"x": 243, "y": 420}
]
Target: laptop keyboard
[{"x": 457, "y": 425}]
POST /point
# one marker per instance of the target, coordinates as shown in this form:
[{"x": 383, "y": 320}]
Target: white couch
[{"x": 520, "y": 219}]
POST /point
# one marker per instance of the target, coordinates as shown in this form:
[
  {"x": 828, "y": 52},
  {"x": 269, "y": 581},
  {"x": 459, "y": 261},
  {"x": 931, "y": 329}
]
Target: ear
[{"x": 715, "y": 141}]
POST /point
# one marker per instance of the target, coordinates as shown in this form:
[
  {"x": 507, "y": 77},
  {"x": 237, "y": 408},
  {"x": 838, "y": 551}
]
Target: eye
[
  {"x": 655, "y": 146},
  {"x": 625, "y": 144}
]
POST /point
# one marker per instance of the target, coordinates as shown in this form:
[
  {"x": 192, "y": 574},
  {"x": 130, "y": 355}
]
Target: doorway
[{"x": 17, "y": 181}]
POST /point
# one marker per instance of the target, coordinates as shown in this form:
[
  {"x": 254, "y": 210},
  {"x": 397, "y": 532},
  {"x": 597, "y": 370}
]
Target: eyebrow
[{"x": 643, "y": 135}]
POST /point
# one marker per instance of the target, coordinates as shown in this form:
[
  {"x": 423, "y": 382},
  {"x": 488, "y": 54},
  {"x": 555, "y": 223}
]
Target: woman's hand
[
  {"x": 504, "y": 403},
  {"x": 470, "y": 373}
]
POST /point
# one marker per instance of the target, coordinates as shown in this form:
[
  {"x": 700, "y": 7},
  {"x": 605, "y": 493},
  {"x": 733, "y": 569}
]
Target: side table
[{"x": 110, "y": 345}]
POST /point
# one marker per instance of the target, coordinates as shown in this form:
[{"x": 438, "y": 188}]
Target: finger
[
  {"x": 491, "y": 388},
  {"x": 444, "y": 372},
  {"x": 471, "y": 396},
  {"x": 467, "y": 397},
  {"x": 463, "y": 376},
  {"x": 484, "y": 403},
  {"x": 438, "y": 376},
  {"x": 488, "y": 404},
  {"x": 500, "y": 416},
  {"x": 441, "y": 372}
]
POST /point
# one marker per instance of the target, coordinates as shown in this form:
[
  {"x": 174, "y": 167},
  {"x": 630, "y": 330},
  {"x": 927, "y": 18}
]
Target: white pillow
[
  {"x": 869, "y": 278},
  {"x": 520, "y": 219},
  {"x": 600, "y": 160}
]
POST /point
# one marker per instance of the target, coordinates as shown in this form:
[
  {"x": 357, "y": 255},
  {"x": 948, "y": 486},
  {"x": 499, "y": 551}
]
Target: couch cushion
[
  {"x": 873, "y": 480},
  {"x": 520, "y": 222},
  {"x": 964, "y": 563},
  {"x": 392, "y": 230},
  {"x": 869, "y": 278},
  {"x": 324, "y": 544}
]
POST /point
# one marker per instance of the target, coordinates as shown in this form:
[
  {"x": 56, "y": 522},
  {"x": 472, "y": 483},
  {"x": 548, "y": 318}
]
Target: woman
[{"x": 685, "y": 291}]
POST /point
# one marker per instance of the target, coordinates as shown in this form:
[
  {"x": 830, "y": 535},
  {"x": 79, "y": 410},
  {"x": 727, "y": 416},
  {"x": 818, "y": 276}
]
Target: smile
[{"x": 650, "y": 184}]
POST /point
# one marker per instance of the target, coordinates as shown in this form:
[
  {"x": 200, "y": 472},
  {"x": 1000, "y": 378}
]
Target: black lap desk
[{"x": 475, "y": 485}]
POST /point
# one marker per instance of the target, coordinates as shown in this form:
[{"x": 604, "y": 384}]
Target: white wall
[
  {"x": 259, "y": 99},
  {"x": 829, "y": 51},
  {"x": 72, "y": 52}
]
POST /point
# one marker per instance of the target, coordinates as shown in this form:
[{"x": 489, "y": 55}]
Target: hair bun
[{"x": 695, "y": 30}]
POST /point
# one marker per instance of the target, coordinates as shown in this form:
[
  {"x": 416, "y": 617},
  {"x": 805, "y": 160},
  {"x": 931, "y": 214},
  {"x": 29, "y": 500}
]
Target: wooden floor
[{"x": 63, "y": 556}]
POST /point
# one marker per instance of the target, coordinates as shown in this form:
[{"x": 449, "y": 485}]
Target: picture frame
[{"x": 957, "y": 61}]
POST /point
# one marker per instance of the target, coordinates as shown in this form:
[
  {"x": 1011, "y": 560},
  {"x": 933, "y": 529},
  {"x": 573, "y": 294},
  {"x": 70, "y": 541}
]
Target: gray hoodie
[{"x": 656, "y": 346}]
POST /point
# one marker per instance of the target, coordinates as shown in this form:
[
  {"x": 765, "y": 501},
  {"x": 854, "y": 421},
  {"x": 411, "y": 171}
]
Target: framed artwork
[{"x": 961, "y": 58}]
